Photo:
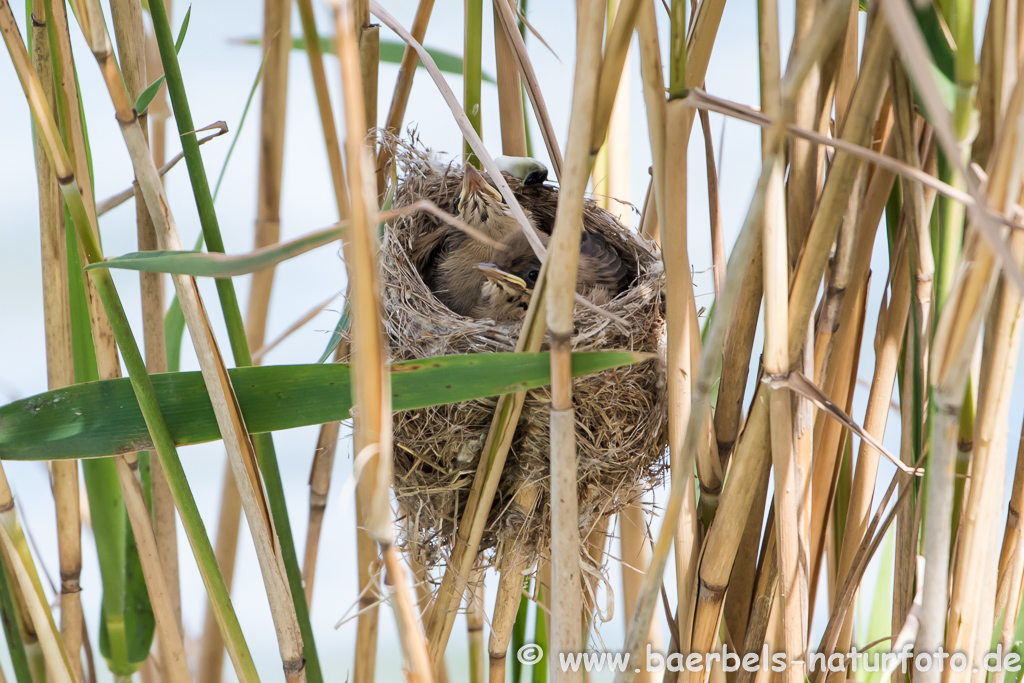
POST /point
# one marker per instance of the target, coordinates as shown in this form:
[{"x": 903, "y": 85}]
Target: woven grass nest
[{"x": 621, "y": 413}]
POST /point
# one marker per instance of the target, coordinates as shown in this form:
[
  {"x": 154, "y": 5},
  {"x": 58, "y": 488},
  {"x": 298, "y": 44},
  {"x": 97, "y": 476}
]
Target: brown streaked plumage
[
  {"x": 512, "y": 275},
  {"x": 453, "y": 277}
]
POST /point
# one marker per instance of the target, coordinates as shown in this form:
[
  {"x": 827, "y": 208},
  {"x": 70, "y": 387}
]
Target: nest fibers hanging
[{"x": 620, "y": 413}]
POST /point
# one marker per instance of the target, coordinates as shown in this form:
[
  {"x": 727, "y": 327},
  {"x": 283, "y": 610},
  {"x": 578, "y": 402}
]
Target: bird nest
[{"x": 620, "y": 413}]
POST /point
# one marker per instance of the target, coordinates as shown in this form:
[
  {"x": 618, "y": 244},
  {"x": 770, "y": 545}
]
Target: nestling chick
[
  {"x": 456, "y": 281},
  {"x": 511, "y": 277}
]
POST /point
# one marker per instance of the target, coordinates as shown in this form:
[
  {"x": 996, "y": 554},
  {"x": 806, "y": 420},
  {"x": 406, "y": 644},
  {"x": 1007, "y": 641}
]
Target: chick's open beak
[
  {"x": 500, "y": 277},
  {"x": 474, "y": 183}
]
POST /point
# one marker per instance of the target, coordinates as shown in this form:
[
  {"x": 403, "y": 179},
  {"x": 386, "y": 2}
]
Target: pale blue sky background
[{"x": 218, "y": 74}]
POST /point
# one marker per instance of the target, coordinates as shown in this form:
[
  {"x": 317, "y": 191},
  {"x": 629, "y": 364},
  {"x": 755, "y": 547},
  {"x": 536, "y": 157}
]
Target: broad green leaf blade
[
  {"x": 110, "y": 524},
  {"x": 147, "y": 95},
  {"x": 942, "y": 55},
  {"x": 138, "y": 625},
  {"x": 182, "y": 31},
  {"x": 391, "y": 52},
  {"x": 103, "y": 418},
  {"x": 206, "y": 264}
]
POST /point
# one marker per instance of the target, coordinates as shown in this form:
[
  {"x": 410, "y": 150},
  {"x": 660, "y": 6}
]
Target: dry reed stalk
[
  {"x": 622, "y": 16},
  {"x": 159, "y": 110},
  {"x": 368, "y": 34},
  {"x": 649, "y": 216},
  {"x": 128, "y": 25},
  {"x": 1011, "y": 563},
  {"x": 791, "y": 488},
  {"x": 319, "y": 485},
  {"x": 852, "y": 308},
  {"x": 232, "y": 426},
  {"x": 273, "y": 106},
  {"x": 969, "y": 611},
  {"x": 997, "y": 67},
  {"x": 366, "y": 543},
  {"x": 475, "y": 626},
  {"x": 916, "y": 150},
  {"x": 791, "y": 480},
  {"x": 564, "y": 249},
  {"x": 640, "y": 621},
  {"x": 743, "y": 581},
  {"x": 403, "y": 86},
  {"x": 130, "y": 33},
  {"x": 718, "y": 257},
  {"x": 846, "y": 74},
  {"x": 507, "y": 18},
  {"x": 58, "y": 666},
  {"x": 371, "y": 392},
  {"x": 1011, "y": 555},
  {"x": 669, "y": 126},
  {"x": 889, "y": 336},
  {"x": 103, "y": 339},
  {"x": 59, "y": 356},
  {"x": 91, "y": 20},
  {"x": 327, "y": 441},
  {"x": 326, "y": 110},
  {"x": 510, "y": 98},
  {"x": 506, "y": 605},
  {"x": 764, "y": 602},
  {"x": 746, "y": 477},
  {"x": 636, "y": 558},
  {"x": 955, "y": 336},
  {"x": 211, "y": 649},
  {"x": 173, "y": 662},
  {"x": 803, "y": 109},
  {"x": 989, "y": 218},
  {"x": 829, "y": 443},
  {"x": 508, "y": 409}
]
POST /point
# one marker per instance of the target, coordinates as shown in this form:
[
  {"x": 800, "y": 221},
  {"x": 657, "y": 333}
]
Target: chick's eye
[{"x": 533, "y": 275}]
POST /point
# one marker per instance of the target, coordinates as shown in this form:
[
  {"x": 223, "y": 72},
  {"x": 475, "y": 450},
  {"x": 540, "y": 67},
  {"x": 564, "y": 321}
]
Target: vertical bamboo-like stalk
[
  {"x": 403, "y": 86},
  {"x": 128, "y": 27},
  {"x": 472, "y": 48},
  {"x": 802, "y": 185},
  {"x": 566, "y": 602},
  {"x": 475, "y": 626},
  {"x": 790, "y": 494},
  {"x": 889, "y": 336},
  {"x": 211, "y": 651},
  {"x": 510, "y": 98},
  {"x": 1011, "y": 557},
  {"x": 504, "y": 616},
  {"x": 636, "y": 558},
  {"x": 276, "y": 44},
  {"x": 969, "y": 610},
  {"x": 722, "y": 540},
  {"x": 327, "y": 441},
  {"x": 240, "y": 449},
  {"x": 366, "y": 542},
  {"x": 319, "y": 484},
  {"x": 173, "y": 663},
  {"x": 59, "y": 357},
  {"x": 86, "y": 231},
  {"x": 506, "y": 414},
  {"x": 371, "y": 386}
]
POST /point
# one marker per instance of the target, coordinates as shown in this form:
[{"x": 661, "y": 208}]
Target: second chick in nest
[{"x": 509, "y": 280}]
